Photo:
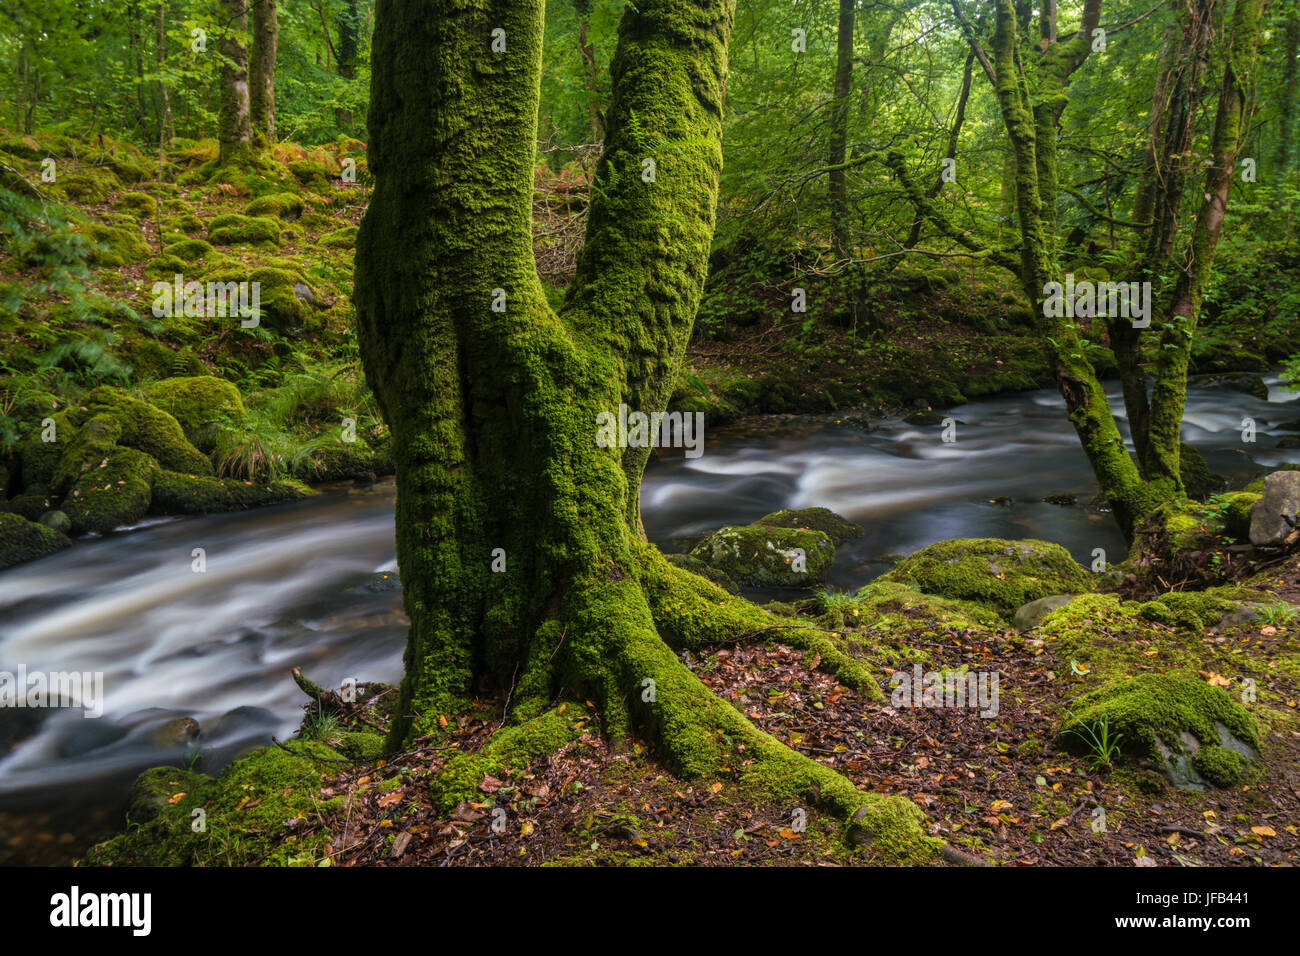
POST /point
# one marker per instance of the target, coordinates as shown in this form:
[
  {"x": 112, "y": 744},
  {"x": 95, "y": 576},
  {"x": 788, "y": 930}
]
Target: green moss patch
[
  {"x": 149, "y": 429},
  {"x": 200, "y": 404},
  {"x": 758, "y": 554},
  {"x": 834, "y": 526},
  {"x": 175, "y": 493},
  {"x": 234, "y": 229},
  {"x": 997, "y": 573},
  {"x": 116, "y": 493},
  {"x": 22, "y": 540}
]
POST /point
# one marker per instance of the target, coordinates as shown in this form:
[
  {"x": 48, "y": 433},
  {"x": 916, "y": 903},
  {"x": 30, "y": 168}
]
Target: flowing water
[{"x": 305, "y": 584}]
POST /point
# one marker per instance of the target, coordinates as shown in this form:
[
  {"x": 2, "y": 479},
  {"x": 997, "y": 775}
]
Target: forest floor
[{"x": 1000, "y": 789}]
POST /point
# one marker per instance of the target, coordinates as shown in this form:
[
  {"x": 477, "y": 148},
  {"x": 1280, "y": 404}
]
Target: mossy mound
[
  {"x": 1165, "y": 718},
  {"x": 887, "y": 603},
  {"x": 286, "y": 206},
  {"x": 189, "y": 250},
  {"x": 92, "y": 443},
  {"x": 234, "y": 229},
  {"x": 257, "y": 812},
  {"x": 116, "y": 245},
  {"x": 997, "y": 573},
  {"x": 1198, "y": 610},
  {"x": 834, "y": 526},
  {"x": 149, "y": 429},
  {"x": 201, "y": 404},
  {"x": 345, "y": 238},
  {"x": 22, "y": 540},
  {"x": 763, "y": 555},
  {"x": 311, "y": 174},
  {"x": 1198, "y": 480},
  {"x": 137, "y": 205},
  {"x": 114, "y": 494},
  {"x": 703, "y": 570},
  {"x": 1219, "y": 765},
  {"x": 175, "y": 493}
]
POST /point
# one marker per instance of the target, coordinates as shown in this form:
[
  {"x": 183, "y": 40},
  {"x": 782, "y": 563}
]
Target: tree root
[{"x": 691, "y": 612}]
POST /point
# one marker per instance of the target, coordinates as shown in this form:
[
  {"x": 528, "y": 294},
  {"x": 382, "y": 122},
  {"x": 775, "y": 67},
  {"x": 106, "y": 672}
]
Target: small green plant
[
  {"x": 326, "y": 728},
  {"x": 1279, "y": 614},
  {"x": 1103, "y": 749}
]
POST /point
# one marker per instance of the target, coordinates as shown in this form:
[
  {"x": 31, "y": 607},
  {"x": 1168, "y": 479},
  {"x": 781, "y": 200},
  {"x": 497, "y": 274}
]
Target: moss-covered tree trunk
[
  {"x": 261, "y": 72},
  {"x": 1290, "y": 84},
  {"x": 166, "y": 128},
  {"x": 234, "y": 130},
  {"x": 349, "y": 24},
  {"x": 837, "y": 147},
  {"x": 519, "y": 540},
  {"x": 1231, "y": 125}
]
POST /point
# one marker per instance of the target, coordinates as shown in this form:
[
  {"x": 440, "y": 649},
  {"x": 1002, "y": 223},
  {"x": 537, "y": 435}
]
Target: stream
[{"x": 304, "y": 584}]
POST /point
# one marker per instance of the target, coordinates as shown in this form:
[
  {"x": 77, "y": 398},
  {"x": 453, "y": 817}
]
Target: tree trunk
[
  {"x": 590, "y": 72},
  {"x": 349, "y": 23},
  {"x": 519, "y": 539},
  {"x": 837, "y": 148},
  {"x": 1231, "y": 125},
  {"x": 261, "y": 72},
  {"x": 166, "y": 129},
  {"x": 234, "y": 128},
  {"x": 1286, "y": 118}
]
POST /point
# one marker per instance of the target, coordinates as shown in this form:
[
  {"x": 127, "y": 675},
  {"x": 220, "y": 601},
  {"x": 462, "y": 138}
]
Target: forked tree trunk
[
  {"x": 519, "y": 539},
  {"x": 234, "y": 129},
  {"x": 261, "y": 72}
]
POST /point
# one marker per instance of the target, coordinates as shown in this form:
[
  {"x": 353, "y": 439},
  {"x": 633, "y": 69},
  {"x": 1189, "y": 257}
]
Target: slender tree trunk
[
  {"x": 590, "y": 71},
  {"x": 1231, "y": 126},
  {"x": 837, "y": 149},
  {"x": 261, "y": 72},
  {"x": 519, "y": 541},
  {"x": 1286, "y": 114},
  {"x": 349, "y": 23},
  {"x": 234, "y": 126},
  {"x": 166, "y": 129}
]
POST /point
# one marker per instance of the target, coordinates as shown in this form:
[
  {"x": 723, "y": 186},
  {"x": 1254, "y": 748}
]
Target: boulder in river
[
  {"x": 824, "y": 520},
  {"x": 1273, "y": 516},
  {"x": 765, "y": 555},
  {"x": 56, "y": 521},
  {"x": 22, "y": 540}
]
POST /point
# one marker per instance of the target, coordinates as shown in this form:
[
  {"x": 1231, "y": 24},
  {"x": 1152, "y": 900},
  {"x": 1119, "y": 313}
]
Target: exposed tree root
[{"x": 691, "y": 612}]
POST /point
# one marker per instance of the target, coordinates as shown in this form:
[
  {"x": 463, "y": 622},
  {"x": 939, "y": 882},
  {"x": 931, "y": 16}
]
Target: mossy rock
[
  {"x": 155, "y": 792},
  {"x": 1197, "y": 610},
  {"x": 32, "y": 503},
  {"x": 23, "y": 540},
  {"x": 138, "y": 205},
  {"x": 87, "y": 185},
  {"x": 361, "y": 746},
  {"x": 1000, "y": 574},
  {"x": 703, "y": 570},
  {"x": 175, "y": 493},
  {"x": 763, "y": 555},
  {"x": 188, "y": 223},
  {"x": 165, "y": 268},
  {"x": 834, "y": 526},
  {"x": 889, "y": 603},
  {"x": 116, "y": 245},
  {"x": 345, "y": 238},
  {"x": 189, "y": 250},
  {"x": 1219, "y": 765},
  {"x": 201, "y": 404},
  {"x": 286, "y": 206},
  {"x": 315, "y": 176},
  {"x": 253, "y": 813},
  {"x": 114, "y": 494},
  {"x": 1198, "y": 480},
  {"x": 234, "y": 229},
  {"x": 1167, "y": 719},
  {"x": 89, "y": 447},
  {"x": 38, "y": 458},
  {"x": 149, "y": 429}
]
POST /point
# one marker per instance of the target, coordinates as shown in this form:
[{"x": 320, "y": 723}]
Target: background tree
[
  {"x": 235, "y": 133},
  {"x": 261, "y": 72}
]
